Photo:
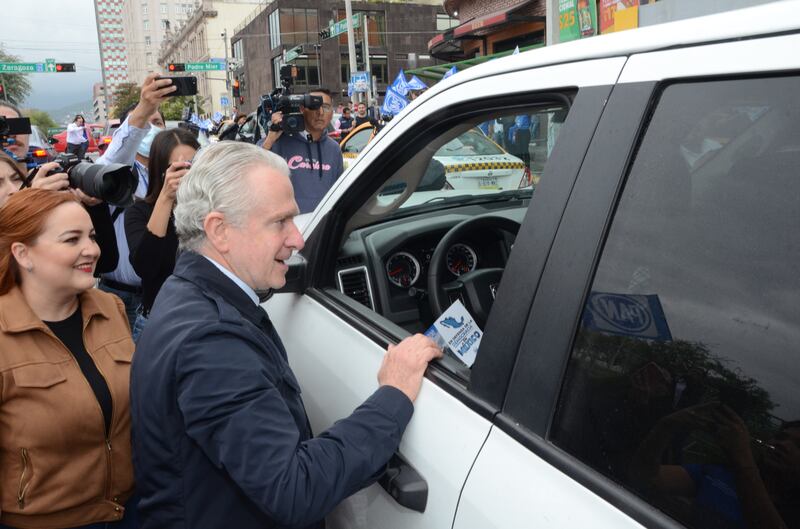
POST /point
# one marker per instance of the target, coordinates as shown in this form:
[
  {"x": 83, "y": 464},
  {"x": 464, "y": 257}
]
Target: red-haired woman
[{"x": 65, "y": 449}]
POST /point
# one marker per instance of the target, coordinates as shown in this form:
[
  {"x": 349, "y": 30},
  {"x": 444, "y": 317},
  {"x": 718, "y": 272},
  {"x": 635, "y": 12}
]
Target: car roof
[{"x": 772, "y": 18}]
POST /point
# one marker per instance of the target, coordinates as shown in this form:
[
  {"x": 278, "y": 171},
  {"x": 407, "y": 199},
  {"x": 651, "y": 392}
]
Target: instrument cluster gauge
[
  {"x": 403, "y": 269},
  {"x": 461, "y": 259}
]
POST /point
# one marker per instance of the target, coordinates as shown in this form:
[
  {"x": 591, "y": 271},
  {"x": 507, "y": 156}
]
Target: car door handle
[{"x": 404, "y": 484}]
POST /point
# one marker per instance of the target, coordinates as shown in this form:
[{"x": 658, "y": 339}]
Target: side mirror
[{"x": 52, "y": 141}]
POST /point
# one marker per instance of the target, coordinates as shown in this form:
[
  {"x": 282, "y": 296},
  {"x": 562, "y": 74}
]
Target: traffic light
[
  {"x": 360, "y": 55},
  {"x": 176, "y": 67},
  {"x": 65, "y": 67},
  {"x": 235, "y": 88}
]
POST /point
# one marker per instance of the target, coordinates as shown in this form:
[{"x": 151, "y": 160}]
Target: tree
[
  {"x": 173, "y": 107},
  {"x": 125, "y": 95},
  {"x": 42, "y": 120},
  {"x": 18, "y": 88}
]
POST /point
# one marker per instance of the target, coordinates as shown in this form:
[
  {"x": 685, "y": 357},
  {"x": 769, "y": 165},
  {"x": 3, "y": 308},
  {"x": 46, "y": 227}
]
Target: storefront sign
[
  {"x": 618, "y": 15},
  {"x": 576, "y": 19}
]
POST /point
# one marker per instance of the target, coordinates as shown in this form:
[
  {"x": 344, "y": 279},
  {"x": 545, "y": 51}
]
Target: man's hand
[
  {"x": 273, "y": 135},
  {"x": 53, "y": 182},
  {"x": 85, "y": 199},
  {"x": 405, "y": 363},
  {"x": 154, "y": 92}
]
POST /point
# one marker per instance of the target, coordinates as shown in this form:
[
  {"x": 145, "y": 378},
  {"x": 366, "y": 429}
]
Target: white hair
[{"x": 217, "y": 182}]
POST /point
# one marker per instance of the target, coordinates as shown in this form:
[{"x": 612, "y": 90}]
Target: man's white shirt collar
[{"x": 244, "y": 286}]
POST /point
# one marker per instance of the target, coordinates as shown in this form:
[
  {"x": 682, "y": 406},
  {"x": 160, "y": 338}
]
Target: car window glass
[
  {"x": 682, "y": 382},
  {"x": 358, "y": 141},
  {"x": 465, "y": 172},
  {"x": 37, "y": 139}
]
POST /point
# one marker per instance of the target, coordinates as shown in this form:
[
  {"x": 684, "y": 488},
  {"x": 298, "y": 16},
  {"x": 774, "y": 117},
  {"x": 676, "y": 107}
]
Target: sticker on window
[{"x": 456, "y": 329}]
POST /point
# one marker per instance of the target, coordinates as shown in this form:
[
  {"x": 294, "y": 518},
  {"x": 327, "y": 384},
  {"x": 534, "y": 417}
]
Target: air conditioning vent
[
  {"x": 354, "y": 283},
  {"x": 347, "y": 262}
]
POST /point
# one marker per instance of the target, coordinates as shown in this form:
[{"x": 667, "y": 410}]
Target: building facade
[
  {"x": 113, "y": 49},
  {"x": 486, "y": 27},
  {"x": 99, "y": 110},
  {"x": 204, "y": 37},
  {"x": 146, "y": 24},
  {"x": 397, "y": 35}
]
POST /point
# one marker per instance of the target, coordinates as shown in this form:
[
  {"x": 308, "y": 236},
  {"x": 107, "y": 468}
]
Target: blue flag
[
  {"x": 400, "y": 85},
  {"x": 393, "y": 103},
  {"x": 217, "y": 117},
  {"x": 416, "y": 84},
  {"x": 450, "y": 72},
  {"x": 350, "y": 89}
]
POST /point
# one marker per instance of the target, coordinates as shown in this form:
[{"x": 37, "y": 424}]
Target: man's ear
[
  {"x": 217, "y": 231},
  {"x": 19, "y": 252}
]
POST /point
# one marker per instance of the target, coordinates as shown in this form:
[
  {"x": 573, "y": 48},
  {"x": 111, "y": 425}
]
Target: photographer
[
  {"x": 131, "y": 146},
  {"x": 232, "y": 131},
  {"x": 315, "y": 160}
]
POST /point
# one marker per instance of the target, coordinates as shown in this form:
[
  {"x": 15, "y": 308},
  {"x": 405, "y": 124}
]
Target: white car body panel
[{"x": 533, "y": 493}]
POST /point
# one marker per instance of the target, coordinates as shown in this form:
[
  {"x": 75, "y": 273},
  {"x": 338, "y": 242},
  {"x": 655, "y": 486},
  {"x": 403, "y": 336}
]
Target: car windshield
[{"x": 471, "y": 143}]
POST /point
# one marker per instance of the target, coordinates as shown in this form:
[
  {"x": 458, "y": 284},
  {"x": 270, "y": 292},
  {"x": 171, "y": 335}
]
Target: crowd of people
[{"x": 143, "y": 384}]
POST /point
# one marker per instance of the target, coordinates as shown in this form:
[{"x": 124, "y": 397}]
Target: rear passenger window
[{"x": 684, "y": 381}]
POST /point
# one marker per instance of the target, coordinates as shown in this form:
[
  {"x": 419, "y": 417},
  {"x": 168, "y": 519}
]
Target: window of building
[
  {"x": 146, "y": 25},
  {"x": 163, "y": 9},
  {"x": 682, "y": 380},
  {"x": 238, "y": 50},
  {"x": 149, "y": 59},
  {"x": 377, "y": 28},
  {"x": 276, "y": 71},
  {"x": 274, "y": 30},
  {"x": 144, "y": 9},
  {"x": 307, "y": 72},
  {"x": 445, "y": 22},
  {"x": 299, "y": 26},
  {"x": 147, "y": 41},
  {"x": 379, "y": 67},
  {"x": 164, "y": 24}
]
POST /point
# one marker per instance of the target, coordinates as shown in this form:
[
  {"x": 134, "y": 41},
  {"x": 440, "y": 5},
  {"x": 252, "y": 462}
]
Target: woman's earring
[{"x": 29, "y": 268}]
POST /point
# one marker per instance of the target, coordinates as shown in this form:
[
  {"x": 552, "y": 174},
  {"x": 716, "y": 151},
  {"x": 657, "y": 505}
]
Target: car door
[
  {"x": 643, "y": 394},
  {"x": 335, "y": 344}
]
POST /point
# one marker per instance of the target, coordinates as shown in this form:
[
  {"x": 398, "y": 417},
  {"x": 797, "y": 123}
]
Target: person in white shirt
[
  {"x": 78, "y": 137},
  {"x": 130, "y": 145}
]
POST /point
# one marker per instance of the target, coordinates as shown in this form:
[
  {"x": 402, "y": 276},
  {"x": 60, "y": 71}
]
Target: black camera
[
  {"x": 282, "y": 100},
  {"x": 14, "y": 126},
  {"x": 113, "y": 183}
]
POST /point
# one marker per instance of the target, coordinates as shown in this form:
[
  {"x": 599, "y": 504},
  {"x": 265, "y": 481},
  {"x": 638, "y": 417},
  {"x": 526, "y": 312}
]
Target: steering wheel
[{"x": 475, "y": 289}]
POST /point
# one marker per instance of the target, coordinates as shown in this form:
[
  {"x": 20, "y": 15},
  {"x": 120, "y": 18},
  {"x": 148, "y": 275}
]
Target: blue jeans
[
  {"x": 130, "y": 299},
  {"x": 138, "y": 325}
]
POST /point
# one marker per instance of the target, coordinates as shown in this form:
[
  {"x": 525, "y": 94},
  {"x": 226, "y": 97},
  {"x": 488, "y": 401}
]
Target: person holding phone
[{"x": 149, "y": 223}]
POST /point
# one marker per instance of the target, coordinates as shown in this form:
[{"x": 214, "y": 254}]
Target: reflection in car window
[
  {"x": 358, "y": 141},
  {"x": 682, "y": 383},
  {"x": 470, "y": 143}
]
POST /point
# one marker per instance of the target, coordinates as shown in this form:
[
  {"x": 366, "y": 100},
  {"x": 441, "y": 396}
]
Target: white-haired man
[{"x": 221, "y": 437}]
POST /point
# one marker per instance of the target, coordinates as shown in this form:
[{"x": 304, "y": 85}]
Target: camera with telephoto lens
[
  {"x": 112, "y": 183},
  {"x": 282, "y": 100}
]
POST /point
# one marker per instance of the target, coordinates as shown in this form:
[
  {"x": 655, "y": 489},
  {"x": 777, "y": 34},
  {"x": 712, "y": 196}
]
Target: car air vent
[
  {"x": 346, "y": 262},
  {"x": 354, "y": 283}
]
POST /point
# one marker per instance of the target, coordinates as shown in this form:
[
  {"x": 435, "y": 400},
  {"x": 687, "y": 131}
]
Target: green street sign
[
  {"x": 293, "y": 53},
  {"x": 204, "y": 66},
  {"x": 19, "y": 67},
  {"x": 49, "y": 65},
  {"x": 334, "y": 30}
]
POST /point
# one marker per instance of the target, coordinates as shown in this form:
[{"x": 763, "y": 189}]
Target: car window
[
  {"x": 682, "y": 381},
  {"x": 37, "y": 139},
  {"x": 471, "y": 143},
  {"x": 413, "y": 265},
  {"x": 358, "y": 141}
]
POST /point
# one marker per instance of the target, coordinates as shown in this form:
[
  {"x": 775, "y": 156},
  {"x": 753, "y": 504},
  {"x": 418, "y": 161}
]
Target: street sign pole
[
  {"x": 365, "y": 29},
  {"x": 227, "y": 69},
  {"x": 351, "y": 41}
]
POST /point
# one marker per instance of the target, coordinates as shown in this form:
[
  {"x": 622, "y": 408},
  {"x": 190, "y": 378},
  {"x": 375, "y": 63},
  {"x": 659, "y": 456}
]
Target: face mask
[{"x": 147, "y": 141}]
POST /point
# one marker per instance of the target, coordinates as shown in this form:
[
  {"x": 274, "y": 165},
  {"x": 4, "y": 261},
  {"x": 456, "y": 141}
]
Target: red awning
[{"x": 486, "y": 21}]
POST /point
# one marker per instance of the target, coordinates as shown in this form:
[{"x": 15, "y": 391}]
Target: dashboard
[{"x": 385, "y": 266}]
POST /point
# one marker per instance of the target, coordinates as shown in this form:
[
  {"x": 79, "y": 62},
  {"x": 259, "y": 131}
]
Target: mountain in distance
[{"x": 64, "y": 115}]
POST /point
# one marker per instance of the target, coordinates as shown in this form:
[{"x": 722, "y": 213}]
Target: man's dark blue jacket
[{"x": 220, "y": 435}]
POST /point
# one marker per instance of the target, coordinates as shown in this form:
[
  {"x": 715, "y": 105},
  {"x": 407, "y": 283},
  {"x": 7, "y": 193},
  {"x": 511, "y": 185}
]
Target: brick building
[
  {"x": 398, "y": 35},
  {"x": 487, "y": 27}
]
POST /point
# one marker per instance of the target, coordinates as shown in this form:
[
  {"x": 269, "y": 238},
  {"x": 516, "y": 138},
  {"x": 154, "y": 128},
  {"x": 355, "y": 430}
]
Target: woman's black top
[
  {"x": 152, "y": 257},
  {"x": 70, "y": 332}
]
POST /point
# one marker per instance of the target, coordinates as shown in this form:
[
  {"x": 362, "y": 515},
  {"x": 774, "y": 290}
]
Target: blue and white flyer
[{"x": 457, "y": 329}]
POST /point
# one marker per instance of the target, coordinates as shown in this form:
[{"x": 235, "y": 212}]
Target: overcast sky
[{"x": 64, "y": 30}]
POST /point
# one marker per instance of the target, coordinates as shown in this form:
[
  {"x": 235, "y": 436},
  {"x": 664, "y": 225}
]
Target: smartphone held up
[{"x": 185, "y": 85}]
